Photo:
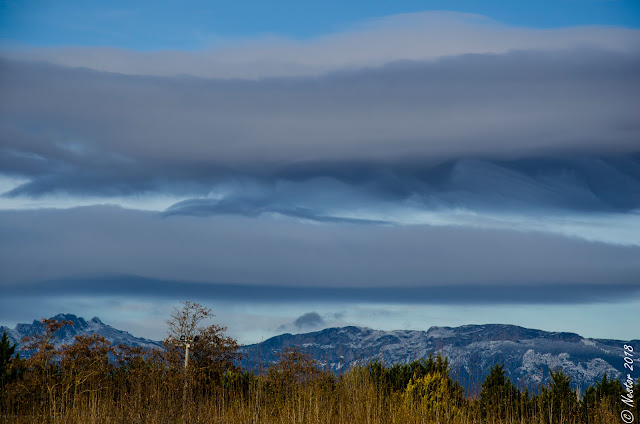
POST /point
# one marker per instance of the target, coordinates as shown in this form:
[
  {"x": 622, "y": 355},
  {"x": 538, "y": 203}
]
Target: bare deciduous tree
[
  {"x": 214, "y": 351},
  {"x": 185, "y": 321}
]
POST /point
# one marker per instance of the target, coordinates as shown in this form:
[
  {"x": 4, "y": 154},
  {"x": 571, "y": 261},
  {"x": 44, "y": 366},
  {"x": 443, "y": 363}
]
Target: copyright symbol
[{"x": 626, "y": 416}]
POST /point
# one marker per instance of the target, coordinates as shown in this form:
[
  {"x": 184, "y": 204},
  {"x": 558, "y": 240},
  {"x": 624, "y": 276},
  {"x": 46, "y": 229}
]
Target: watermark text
[{"x": 627, "y": 383}]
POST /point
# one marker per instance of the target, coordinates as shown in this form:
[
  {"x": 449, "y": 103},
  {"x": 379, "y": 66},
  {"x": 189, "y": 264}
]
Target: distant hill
[
  {"x": 80, "y": 327},
  {"x": 527, "y": 354}
]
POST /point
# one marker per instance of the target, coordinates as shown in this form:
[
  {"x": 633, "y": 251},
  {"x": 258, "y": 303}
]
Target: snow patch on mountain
[
  {"x": 66, "y": 335},
  {"x": 527, "y": 354}
]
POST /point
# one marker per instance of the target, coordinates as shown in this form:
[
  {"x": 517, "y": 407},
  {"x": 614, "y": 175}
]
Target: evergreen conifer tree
[
  {"x": 6, "y": 352},
  {"x": 499, "y": 398}
]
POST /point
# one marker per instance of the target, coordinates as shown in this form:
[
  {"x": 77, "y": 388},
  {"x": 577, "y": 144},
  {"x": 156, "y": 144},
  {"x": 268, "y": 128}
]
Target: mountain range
[
  {"x": 527, "y": 354},
  {"x": 66, "y": 334}
]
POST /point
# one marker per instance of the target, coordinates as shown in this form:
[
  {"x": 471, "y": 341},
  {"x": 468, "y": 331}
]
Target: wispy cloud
[{"x": 372, "y": 43}]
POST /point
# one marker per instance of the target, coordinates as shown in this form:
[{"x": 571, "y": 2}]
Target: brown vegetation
[{"x": 92, "y": 382}]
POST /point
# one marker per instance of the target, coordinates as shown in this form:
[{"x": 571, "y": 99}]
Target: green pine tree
[
  {"x": 6, "y": 352},
  {"x": 499, "y": 398},
  {"x": 561, "y": 400}
]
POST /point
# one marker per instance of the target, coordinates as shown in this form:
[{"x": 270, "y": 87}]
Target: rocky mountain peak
[
  {"x": 527, "y": 354},
  {"x": 66, "y": 334}
]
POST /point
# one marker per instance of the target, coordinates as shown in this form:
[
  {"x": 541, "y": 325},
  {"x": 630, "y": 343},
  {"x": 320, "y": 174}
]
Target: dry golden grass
[
  {"x": 355, "y": 398},
  {"x": 91, "y": 382}
]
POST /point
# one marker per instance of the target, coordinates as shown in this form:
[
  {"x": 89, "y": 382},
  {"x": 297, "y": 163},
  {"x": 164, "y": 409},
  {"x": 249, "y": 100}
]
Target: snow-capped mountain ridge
[
  {"x": 66, "y": 335},
  {"x": 527, "y": 354}
]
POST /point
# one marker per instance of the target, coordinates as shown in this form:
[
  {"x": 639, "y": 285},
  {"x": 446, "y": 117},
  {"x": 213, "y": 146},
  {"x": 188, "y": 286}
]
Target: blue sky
[
  {"x": 152, "y": 25},
  {"x": 385, "y": 164}
]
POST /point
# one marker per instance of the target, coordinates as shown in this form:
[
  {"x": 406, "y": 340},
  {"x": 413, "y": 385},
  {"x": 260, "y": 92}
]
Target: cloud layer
[
  {"x": 87, "y": 132},
  {"x": 105, "y": 240},
  {"x": 298, "y": 171}
]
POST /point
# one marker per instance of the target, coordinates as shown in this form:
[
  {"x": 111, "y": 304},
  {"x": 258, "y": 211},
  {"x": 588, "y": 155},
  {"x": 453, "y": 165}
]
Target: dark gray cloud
[
  {"x": 529, "y": 186},
  {"x": 89, "y": 132},
  {"x": 134, "y": 287},
  {"x": 252, "y": 207},
  {"x": 310, "y": 319},
  {"x": 43, "y": 245},
  {"x": 525, "y": 131}
]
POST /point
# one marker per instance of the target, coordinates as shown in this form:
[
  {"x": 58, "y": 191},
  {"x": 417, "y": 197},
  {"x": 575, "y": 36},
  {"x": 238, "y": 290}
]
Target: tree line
[{"x": 92, "y": 381}]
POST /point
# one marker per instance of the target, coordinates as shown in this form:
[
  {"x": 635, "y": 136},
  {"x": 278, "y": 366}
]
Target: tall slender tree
[
  {"x": 499, "y": 397},
  {"x": 6, "y": 354}
]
